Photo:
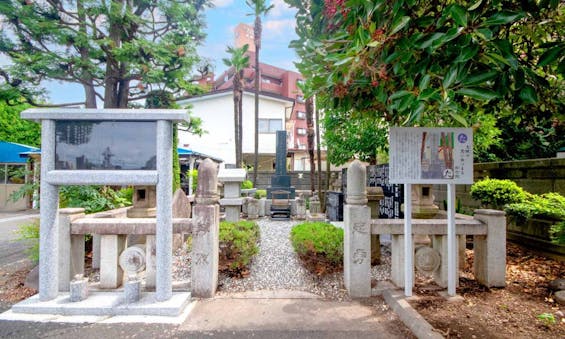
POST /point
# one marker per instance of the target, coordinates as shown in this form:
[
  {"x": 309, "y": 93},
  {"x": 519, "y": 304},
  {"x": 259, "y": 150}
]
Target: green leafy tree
[
  {"x": 239, "y": 60},
  {"x": 164, "y": 99},
  {"x": 434, "y": 63},
  {"x": 14, "y": 129},
  {"x": 260, "y": 8},
  {"x": 118, "y": 50}
]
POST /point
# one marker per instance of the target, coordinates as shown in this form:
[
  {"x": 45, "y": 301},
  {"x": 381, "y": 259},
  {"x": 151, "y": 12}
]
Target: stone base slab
[{"x": 105, "y": 304}]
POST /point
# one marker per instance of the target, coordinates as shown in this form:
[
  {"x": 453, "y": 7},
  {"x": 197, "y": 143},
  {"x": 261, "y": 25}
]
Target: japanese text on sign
[{"x": 431, "y": 155}]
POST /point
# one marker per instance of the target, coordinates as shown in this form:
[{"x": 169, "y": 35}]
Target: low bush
[
  {"x": 94, "y": 198},
  {"x": 260, "y": 194},
  {"x": 319, "y": 245},
  {"x": 238, "y": 245},
  {"x": 496, "y": 193}
]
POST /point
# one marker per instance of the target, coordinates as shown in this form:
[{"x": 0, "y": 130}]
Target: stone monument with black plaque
[{"x": 281, "y": 181}]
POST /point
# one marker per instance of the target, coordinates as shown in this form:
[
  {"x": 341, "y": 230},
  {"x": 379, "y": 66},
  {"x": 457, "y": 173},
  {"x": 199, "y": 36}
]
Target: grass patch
[
  {"x": 238, "y": 245},
  {"x": 319, "y": 245}
]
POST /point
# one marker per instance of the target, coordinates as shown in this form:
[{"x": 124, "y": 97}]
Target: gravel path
[{"x": 277, "y": 267}]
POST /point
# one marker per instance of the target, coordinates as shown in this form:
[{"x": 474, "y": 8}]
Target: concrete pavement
[{"x": 259, "y": 314}]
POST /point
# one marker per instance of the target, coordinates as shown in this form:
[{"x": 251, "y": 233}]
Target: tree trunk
[
  {"x": 257, "y": 40},
  {"x": 112, "y": 75},
  {"x": 310, "y": 124},
  {"x": 89, "y": 91},
  {"x": 236, "y": 121},
  {"x": 240, "y": 125}
]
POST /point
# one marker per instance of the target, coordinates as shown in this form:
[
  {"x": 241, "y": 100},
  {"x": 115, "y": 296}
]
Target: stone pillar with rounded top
[
  {"x": 232, "y": 201},
  {"x": 357, "y": 240},
  {"x": 489, "y": 264},
  {"x": 205, "y": 232}
]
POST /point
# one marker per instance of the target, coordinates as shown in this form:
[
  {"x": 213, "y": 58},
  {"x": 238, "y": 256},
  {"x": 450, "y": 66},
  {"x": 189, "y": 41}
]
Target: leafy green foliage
[
  {"x": 260, "y": 194},
  {"x": 558, "y": 233},
  {"x": 547, "y": 318},
  {"x": 238, "y": 245},
  {"x": 437, "y": 63},
  {"x": 15, "y": 129},
  {"x": 29, "y": 233},
  {"x": 126, "y": 49},
  {"x": 247, "y": 184},
  {"x": 496, "y": 193},
  {"x": 319, "y": 241},
  {"x": 94, "y": 198}
]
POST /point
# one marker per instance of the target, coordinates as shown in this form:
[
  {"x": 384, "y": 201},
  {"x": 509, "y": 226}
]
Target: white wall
[{"x": 216, "y": 112}]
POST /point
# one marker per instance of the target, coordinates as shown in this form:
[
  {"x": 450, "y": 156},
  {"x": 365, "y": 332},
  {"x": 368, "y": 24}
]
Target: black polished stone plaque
[{"x": 105, "y": 145}]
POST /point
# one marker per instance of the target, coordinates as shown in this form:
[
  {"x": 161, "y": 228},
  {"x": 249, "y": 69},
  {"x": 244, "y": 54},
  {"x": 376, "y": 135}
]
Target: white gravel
[{"x": 277, "y": 267}]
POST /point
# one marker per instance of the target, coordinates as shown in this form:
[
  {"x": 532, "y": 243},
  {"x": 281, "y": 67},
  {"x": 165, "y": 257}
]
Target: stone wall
[
  {"x": 299, "y": 179},
  {"x": 535, "y": 176}
]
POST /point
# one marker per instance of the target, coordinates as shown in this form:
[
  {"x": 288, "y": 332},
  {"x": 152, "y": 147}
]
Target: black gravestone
[
  {"x": 377, "y": 176},
  {"x": 334, "y": 206},
  {"x": 281, "y": 181},
  {"x": 389, "y": 206}
]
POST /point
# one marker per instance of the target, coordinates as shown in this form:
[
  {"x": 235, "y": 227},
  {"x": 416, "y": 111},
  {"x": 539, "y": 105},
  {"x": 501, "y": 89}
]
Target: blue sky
[{"x": 278, "y": 31}]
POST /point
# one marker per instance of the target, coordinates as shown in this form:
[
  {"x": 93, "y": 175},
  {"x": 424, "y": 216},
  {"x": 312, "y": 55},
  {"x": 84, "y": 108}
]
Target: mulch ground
[{"x": 524, "y": 309}]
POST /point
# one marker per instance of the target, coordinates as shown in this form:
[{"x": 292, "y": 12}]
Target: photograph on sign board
[{"x": 436, "y": 155}]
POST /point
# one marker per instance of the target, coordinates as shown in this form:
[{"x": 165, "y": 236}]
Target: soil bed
[{"x": 510, "y": 312}]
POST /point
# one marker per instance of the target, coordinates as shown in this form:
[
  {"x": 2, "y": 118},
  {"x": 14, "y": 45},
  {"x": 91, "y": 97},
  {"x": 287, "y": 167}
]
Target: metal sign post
[{"x": 431, "y": 156}]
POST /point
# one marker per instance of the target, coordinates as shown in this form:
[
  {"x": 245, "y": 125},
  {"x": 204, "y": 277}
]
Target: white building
[{"x": 216, "y": 111}]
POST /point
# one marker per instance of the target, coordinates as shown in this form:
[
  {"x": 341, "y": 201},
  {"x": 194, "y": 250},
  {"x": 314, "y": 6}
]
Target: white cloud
[
  {"x": 281, "y": 9},
  {"x": 222, "y": 3},
  {"x": 274, "y": 28}
]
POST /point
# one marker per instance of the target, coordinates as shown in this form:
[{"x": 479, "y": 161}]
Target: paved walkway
[{"x": 258, "y": 314}]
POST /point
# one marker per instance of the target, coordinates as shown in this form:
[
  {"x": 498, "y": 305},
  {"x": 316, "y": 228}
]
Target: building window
[
  {"x": 270, "y": 125},
  {"x": 300, "y": 98},
  {"x": 301, "y": 115},
  {"x": 299, "y": 82},
  {"x": 301, "y": 131}
]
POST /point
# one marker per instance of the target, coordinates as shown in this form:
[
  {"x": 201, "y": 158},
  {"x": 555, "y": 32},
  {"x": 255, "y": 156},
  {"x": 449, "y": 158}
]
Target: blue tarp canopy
[
  {"x": 185, "y": 152},
  {"x": 10, "y": 152}
]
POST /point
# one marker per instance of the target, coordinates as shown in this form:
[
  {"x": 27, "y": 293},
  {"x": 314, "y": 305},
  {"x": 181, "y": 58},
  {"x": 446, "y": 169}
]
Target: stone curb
[{"x": 412, "y": 319}]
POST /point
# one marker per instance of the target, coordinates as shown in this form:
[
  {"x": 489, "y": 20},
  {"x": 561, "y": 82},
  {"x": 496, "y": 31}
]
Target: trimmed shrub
[
  {"x": 496, "y": 193},
  {"x": 238, "y": 245},
  {"x": 319, "y": 245}
]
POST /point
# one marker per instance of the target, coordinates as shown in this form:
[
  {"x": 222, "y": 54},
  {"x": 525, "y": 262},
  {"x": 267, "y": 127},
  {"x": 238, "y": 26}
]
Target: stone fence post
[
  {"x": 489, "y": 264},
  {"x": 357, "y": 240},
  {"x": 205, "y": 232},
  {"x": 71, "y": 247}
]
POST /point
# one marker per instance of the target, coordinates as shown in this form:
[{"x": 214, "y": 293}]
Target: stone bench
[{"x": 113, "y": 233}]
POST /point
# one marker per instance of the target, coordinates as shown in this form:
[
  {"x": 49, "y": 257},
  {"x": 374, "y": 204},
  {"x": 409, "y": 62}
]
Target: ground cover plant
[
  {"x": 319, "y": 245},
  {"x": 238, "y": 245}
]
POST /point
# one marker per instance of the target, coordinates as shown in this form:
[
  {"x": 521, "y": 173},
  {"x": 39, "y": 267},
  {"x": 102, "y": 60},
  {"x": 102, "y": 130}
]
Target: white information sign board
[{"x": 431, "y": 155}]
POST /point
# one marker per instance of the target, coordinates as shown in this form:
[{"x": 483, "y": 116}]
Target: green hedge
[
  {"x": 318, "y": 242},
  {"x": 238, "y": 245}
]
